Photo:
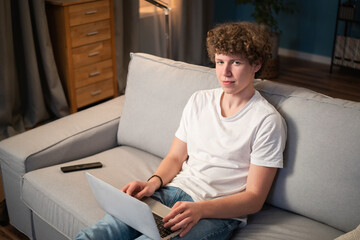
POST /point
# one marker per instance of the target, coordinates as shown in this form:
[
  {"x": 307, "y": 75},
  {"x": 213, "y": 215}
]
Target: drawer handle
[
  {"x": 92, "y": 33},
  {"x": 96, "y": 93},
  {"x": 94, "y": 74},
  {"x": 93, "y": 54},
  {"x": 91, "y": 12}
]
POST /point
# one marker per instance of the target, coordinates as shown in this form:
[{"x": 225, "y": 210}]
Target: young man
[{"x": 225, "y": 153}]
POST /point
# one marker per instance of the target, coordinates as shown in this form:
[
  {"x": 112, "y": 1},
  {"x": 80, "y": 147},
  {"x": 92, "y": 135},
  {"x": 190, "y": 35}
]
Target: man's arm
[
  {"x": 169, "y": 167},
  {"x": 185, "y": 215},
  {"x": 250, "y": 201}
]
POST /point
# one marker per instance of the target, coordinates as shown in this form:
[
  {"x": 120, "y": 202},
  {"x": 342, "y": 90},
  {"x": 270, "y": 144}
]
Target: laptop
[{"x": 145, "y": 216}]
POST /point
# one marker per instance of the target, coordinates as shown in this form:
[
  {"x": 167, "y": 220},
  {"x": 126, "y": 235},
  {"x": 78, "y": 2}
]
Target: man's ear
[{"x": 257, "y": 66}]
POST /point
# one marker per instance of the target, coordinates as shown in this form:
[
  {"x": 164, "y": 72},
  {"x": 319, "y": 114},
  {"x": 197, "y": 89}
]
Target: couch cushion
[
  {"x": 321, "y": 175},
  {"x": 352, "y": 235},
  {"x": 274, "y": 223},
  {"x": 70, "y": 207},
  {"x": 156, "y": 93}
]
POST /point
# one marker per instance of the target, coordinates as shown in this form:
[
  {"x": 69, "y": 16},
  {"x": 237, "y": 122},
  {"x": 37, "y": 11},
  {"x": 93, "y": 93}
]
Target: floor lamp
[{"x": 166, "y": 10}]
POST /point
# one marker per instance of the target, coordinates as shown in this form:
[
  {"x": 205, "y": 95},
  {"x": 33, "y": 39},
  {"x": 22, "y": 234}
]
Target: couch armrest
[{"x": 75, "y": 136}]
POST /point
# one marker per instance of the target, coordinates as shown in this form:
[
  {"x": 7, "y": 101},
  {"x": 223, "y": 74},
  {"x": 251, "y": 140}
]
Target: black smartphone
[{"x": 79, "y": 167}]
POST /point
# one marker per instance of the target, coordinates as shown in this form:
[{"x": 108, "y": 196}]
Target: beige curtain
[
  {"x": 30, "y": 88},
  {"x": 190, "y": 22}
]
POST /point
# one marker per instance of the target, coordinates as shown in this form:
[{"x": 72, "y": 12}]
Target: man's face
[{"x": 235, "y": 74}]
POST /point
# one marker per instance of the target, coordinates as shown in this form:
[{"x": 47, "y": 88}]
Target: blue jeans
[{"x": 110, "y": 228}]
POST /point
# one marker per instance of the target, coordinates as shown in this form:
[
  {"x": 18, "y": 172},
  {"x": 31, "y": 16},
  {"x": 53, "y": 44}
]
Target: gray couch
[{"x": 316, "y": 195}]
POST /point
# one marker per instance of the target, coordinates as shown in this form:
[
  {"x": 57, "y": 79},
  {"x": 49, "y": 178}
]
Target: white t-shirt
[{"x": 221, "y": 149}]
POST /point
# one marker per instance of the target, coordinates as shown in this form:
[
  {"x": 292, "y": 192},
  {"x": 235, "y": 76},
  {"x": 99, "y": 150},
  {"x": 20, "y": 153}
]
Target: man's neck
[{"x": 232, "y": 103}]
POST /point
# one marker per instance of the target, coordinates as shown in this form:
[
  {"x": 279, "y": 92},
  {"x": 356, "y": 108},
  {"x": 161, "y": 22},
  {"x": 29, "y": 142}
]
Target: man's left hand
[{"x": 183, "y": 215}]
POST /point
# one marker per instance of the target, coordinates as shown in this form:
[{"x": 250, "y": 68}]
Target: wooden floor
[
  {"x": 342, "y": 83},
  {"x": 8, "y": 232}
]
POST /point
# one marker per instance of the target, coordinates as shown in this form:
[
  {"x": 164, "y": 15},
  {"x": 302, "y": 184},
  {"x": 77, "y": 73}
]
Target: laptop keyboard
[{"x": 162, "y": 230}]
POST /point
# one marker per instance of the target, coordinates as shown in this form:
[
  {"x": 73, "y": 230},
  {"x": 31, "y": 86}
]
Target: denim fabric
[{"x": 109, "y": 228}]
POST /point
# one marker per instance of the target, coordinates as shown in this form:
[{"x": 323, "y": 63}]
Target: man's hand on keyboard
[{"x": 183, "y": 215}]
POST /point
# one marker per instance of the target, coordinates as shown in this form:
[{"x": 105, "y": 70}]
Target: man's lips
[{"x": 228, "y": 82}]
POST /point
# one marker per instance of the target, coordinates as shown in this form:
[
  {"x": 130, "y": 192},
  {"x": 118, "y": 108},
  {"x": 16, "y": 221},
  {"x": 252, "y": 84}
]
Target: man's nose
[{"x": 226, "y": 70}]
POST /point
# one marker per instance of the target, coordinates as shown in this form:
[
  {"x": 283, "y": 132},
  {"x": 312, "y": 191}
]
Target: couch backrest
[{"x": 321, "y": 176}]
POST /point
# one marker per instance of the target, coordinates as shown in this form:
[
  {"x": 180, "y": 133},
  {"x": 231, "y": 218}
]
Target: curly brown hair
[{"x": 250, "y": 40}]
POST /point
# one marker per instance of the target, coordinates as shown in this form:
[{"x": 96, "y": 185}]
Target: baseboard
[{"x": 304, "y": 56}]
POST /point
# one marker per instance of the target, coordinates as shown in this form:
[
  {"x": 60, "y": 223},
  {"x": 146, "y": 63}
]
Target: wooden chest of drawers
[{"x": 82, "y": 35}]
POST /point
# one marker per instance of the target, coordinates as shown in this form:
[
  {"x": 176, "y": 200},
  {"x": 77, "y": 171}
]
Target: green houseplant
[{"x": 266, "y": 13}]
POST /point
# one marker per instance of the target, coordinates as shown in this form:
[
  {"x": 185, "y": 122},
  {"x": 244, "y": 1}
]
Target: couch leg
[{"x": 4, "y": 217}]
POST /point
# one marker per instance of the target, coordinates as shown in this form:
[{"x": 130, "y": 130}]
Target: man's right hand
[{"x": 138, "y": 189}]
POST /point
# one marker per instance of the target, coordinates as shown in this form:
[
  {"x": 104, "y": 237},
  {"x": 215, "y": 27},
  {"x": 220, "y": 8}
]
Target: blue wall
[{"x": 310, "y": 29}]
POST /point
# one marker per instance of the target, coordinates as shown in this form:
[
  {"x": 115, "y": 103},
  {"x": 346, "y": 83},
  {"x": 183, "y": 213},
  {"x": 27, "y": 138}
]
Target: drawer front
[
  {"x": 93, "y": 73},
  {"x": 89, "y": 33},
  {"x": 89, "y": 12},
  {"x": 91, "y": 53},
  {"x": 94, "y": 92}
]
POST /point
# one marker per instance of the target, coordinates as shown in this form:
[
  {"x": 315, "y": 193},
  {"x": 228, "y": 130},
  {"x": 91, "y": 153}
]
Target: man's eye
[
  {"x": 219, "y": 62},
  {"x": 237, "y": 62}
]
